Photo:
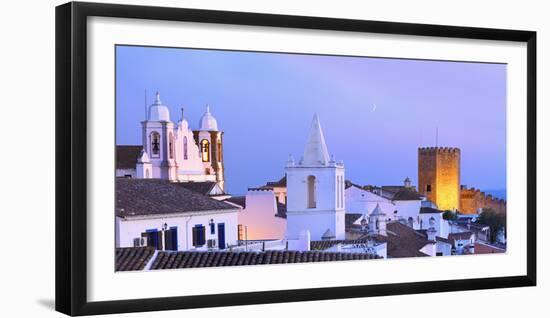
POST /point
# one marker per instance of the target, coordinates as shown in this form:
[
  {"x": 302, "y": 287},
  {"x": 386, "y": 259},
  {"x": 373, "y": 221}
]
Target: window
[
  {"x": 311, "y": 204},
  {"x": 155, "y": 144},
  {"x": 410, "y": 221},
  {"x": 199, "y": 235},
  {"x": 205, "y": 150},
  {"x": 212, "y": 228},
  {"x": 171, "y": 239},
  {"x": 171, "y": 146},
  {"x": 219, "y": 151},
  {"x": 240, "y": 233},
  {"x": 185, "y": 147},
  {"x": 428, "y": 188}
]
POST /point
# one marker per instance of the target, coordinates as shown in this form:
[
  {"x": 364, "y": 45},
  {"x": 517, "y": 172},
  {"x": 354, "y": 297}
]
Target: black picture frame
[{"x": 71, "y": 157}]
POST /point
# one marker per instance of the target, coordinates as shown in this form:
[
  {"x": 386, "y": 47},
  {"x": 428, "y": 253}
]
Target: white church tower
[
  {"x": 159, "y": 141},
  {"x": 315, "y": 192}
]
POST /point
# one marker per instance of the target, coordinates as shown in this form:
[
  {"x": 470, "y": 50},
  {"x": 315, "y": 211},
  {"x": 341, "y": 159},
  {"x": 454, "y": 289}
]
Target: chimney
[
  {"x": 304, "y": 240},
  {"x": 431, "y": 232}
]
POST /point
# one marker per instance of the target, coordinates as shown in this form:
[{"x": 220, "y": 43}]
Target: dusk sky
[{"x": 374, "y": 112}]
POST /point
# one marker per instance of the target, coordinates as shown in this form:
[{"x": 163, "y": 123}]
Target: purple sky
[{"x": 264, "y": 102}]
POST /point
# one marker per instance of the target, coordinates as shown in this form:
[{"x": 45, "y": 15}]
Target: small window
[
  {"x": 428, "y": 188},
  {"x": 185, "y": 147},
  {"x": 171, "y": 146},
  {"x": 219, "y": 151},
  {"x": 199, "y": 235},
  {"x": 212, "y": 228},
  {"x": 155, "y": 144},
  {"x": 311, "y": 200},
  {"x": 205, "y": 150}
]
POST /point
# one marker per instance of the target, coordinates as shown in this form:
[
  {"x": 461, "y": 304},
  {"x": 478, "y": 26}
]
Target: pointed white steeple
[{"x": 316, "y": 152}]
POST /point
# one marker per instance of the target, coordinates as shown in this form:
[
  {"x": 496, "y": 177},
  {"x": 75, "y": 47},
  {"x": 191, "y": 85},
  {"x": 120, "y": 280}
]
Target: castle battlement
[
  {"x": 472, "y": 200},
  {"x": 427, "y": 150}
]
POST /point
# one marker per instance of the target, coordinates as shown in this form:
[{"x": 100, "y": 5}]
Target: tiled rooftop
[
  {"x": 127, "y": 156},
  {"x": 171, "y": 260},
  {"x": 135, "y": 197},
  {"x": 132, "y": 258}
]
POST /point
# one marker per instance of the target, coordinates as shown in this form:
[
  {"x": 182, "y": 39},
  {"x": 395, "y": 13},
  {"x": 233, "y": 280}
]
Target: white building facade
[
  {"x": 173, "y": 151},
  {"x": 315, "y": 191}
]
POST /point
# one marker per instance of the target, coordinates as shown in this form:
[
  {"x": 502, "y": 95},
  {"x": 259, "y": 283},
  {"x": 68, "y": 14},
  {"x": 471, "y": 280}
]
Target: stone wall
[
  {"x": 473, "y": 200},
  {"x": 439, "y": 167}
]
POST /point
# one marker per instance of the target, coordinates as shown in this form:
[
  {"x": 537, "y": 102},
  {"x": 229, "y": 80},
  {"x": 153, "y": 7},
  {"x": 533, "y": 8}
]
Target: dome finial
[
  {"x": 208, "y": 122},
  {"x": 157, "y": 98},
  {"x": 181, "y": 113}
]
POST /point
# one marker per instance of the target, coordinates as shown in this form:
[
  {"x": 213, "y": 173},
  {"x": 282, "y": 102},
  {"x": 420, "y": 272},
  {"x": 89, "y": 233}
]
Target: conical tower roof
[
  {"x": 316, "y": 152},
  {"x": 377, "y": 210}
]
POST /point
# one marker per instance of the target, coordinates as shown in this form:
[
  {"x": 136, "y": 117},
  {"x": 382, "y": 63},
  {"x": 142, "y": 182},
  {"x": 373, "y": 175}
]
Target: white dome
[
  {"x": 158, "y": 111},
  {"x": 208, "y": 122}
]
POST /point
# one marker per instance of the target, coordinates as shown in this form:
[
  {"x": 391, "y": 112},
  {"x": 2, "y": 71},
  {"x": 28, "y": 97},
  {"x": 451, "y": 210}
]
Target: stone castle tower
[{"x": 439, "y": 176}]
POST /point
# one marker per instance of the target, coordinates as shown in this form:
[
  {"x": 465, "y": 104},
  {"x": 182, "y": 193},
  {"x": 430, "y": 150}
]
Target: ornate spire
[
  {"x": 316, "y": 152},
  {"x": 182, "y": 114},
  {"x": 157, "y": 99}
]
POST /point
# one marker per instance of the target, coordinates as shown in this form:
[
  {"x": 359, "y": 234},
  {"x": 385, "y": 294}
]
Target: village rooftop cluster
[{"x": 172, "y": 210}]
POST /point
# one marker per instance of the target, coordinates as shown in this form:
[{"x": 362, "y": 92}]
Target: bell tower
[
  {"x": 315, "y": 191},
  {"x": 210, "y": 141}
]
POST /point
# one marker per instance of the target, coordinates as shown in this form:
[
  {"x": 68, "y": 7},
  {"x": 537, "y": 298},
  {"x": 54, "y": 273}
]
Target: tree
[
  {"x": 495, "y": 221},
  {"x": 449, "y": 215}
]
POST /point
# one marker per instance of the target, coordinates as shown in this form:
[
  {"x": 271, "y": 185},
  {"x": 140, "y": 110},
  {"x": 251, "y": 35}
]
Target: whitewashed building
[
  {"x": 315, "y": 191},
  {"x": 167, "y": 216},
  {"x": 173, "y": 151},
  {"x": 361, "y": 201},
  {"x": 433, "y": 218},
  {"x": 262, "y": 217}
]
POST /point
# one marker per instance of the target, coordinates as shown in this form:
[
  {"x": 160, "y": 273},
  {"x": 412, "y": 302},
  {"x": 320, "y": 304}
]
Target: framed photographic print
[{"x": 210, "y": 158}]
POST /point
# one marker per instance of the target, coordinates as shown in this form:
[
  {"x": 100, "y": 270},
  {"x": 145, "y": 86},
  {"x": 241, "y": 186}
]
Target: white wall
[
  {"x": 259, "y": 216},
  {"x": 28, "y": 82},
  {"x": 326, "y": 214},
  {"x": 441, "y": 225},
  {"x": 362, "y": 201},
  {"x": 130, "y": 229},
  {"x": 408, "y": 209},
  {"x": 126, "y": 172}
]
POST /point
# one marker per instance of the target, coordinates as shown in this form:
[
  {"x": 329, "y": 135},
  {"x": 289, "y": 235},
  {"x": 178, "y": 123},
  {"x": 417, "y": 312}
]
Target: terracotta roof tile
[
  {"x": 199, "y": 187},
  {"x": 193, "y": 259},
  {"x": 403, "y": 241},
  {"x": 127, "y": 156},
  {"x": 135, "y": 197},
  {"x": 132, "y": 258}
]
